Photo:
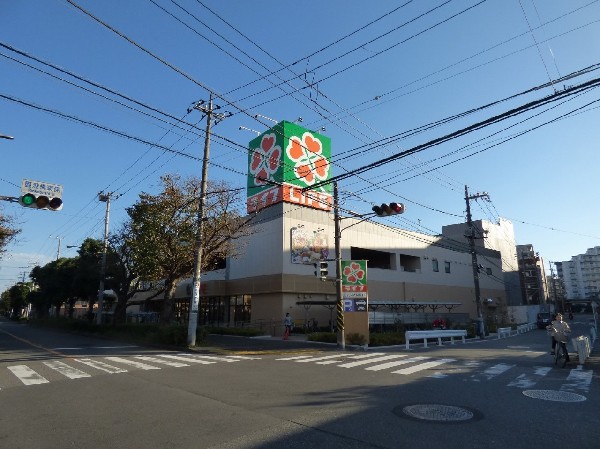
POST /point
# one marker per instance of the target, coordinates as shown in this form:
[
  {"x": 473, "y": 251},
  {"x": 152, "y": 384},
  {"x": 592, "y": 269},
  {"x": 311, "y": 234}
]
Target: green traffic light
[{"x": 28, "y": 199}]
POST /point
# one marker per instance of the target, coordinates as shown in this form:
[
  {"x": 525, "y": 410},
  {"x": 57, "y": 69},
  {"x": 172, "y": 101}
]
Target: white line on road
[
  {"x": 138, "y": 365},
  {"x": 161, "y": 361},
  {"x": 66, "y": 370},
  {"x": 371, "y": 360},
  {"x": 387, "y": 365},
  {"x": 186, "y": 359},
  {"x": 423, "y": 366},
  {"x": 527, "y": 381},
  {"x": 101, "y": 366},
  {"x": 27, "y": 375}
]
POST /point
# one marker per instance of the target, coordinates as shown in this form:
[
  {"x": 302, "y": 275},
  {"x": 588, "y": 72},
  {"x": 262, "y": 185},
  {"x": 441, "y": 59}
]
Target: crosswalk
[
  {"x": 576, "y": 379},
  {"x": 85, "y": 367}
]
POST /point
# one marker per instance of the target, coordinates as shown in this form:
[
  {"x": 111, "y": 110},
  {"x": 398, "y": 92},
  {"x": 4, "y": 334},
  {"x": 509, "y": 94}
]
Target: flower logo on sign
[
  {"x": 354, "y": 273},
  {"x": 307, "y": 154},
  {"x": 265, "y": 160}
]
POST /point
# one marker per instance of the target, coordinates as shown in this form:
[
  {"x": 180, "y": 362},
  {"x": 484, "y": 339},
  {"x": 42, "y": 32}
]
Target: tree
[
  {"x": 163, "y": 230},
  {"x": 122, "y": 274},
  {"x": 55, "y": 285},
  {"x": 7, "y": 232},
  {"x": 86, "y": 277}
]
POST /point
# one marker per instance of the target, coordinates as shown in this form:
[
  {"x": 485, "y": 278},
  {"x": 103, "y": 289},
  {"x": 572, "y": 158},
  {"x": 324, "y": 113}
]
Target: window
[
  {"x": 488, "y": 271},
  {"x": 447, "y": 267},
  {"x": 410, "y": 264},
  {"x": 374, "y": 258},
  {"x": 434, "y": 265}
]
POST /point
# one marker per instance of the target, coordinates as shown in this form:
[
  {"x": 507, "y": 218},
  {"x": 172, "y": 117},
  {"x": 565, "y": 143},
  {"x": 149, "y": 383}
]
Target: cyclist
[{"x": 560, "y": 331}]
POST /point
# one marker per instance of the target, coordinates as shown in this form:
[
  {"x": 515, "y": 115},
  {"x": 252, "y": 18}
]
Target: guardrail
[
  {"x": 504, "y": 332},
  {"x": 522, "y": 328},
  {"x": 437, "y": 334}
]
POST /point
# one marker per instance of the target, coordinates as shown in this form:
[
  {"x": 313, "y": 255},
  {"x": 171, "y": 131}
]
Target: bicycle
[{"x": 561, "y": 355}]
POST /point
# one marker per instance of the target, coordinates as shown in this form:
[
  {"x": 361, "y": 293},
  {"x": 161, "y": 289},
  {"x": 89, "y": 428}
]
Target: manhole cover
[
  {"x": 553, "y": 395},
  {"x": 442, "y": 413}
]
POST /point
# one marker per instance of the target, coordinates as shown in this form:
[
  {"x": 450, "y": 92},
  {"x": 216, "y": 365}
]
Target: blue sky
[{"x": 365, "y": 74}]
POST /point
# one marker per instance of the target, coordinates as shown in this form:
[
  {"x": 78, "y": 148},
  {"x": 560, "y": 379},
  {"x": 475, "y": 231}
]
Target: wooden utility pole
[
  {"x": 207, "y": 110},
  {"x": 470, "y": 235}
]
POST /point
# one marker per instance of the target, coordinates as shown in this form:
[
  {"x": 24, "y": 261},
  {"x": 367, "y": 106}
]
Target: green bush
[
  {"x": 239, "y": 331},
  {"x": 325, "y": 337},
  {"x": 387, "y": 339},
  {"x": 149, "y": 333},
  {"x": 356, "y": 339}
]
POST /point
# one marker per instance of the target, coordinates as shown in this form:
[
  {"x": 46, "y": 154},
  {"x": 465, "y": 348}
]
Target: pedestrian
[{"x": 288, "y": 324}]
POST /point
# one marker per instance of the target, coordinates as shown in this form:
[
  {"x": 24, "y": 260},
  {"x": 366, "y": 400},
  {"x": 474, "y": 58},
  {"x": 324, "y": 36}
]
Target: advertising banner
[
  {"x": 284, "y": 160},
  {"x": 354, "y": 285}
]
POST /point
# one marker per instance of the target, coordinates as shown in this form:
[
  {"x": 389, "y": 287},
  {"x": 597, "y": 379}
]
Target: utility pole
[
  {"x": 58, "y": 250},
  {"x": 470, "y": 235},
  {"x": 105, "y": 198},
  {"x": 341, "y": 339},
  {"x": 554, "y": 288},
  {"x": 208, "y": 111}
]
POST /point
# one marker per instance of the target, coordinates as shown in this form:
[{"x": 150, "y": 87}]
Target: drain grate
[
  {"x": 553, "y": 395},
  {"x": 442, "y": 413}
]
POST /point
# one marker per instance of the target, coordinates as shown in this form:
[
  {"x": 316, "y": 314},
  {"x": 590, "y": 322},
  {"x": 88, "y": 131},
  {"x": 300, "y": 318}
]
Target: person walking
[{"x": 288, "y": 324}]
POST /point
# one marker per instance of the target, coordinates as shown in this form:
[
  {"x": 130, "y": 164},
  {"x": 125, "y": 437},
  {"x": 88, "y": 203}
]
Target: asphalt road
[{"x": 68, "y": 391}]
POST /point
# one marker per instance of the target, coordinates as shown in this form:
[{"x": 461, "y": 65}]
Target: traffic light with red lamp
[
  {"x": 40, "y": 202},
  {"x": 388, "y": 209}
]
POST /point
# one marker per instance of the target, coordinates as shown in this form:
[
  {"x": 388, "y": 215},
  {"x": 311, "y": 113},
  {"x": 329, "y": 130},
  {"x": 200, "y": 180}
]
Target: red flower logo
[
  {"x": 307, "y": 154},
  {"x": 264, "y": 161},
  {"x": 354, "y": 273}
]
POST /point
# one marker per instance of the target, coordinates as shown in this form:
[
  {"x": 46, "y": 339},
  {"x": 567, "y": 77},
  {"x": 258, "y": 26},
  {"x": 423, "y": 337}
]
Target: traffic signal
[
  {"x": 40, "y": 202},
  {"x": 392, "y": 209},
  {"x": 321, "y": 269}
]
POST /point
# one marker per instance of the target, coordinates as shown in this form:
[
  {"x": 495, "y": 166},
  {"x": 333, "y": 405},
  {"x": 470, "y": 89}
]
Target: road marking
[
  {"x": 27, "y": 375},
  {"x": 186, "y": 359},
  {"x": 371, "y": 360},
  {"x": 423, "y": 366},
  {"x": 527, "y": 381},
  {"x": 138, "y": 365},
  {"x": 66, "y": 370},
  {"x": 387, "y": 365},
  {"x": 296, "y": 357},
  {"x": 212, "y": 357},
  {"x": 161, "y": 361},
  {"x": 492, "y": 372},
  {"x": 318, "y": 359},
  {"x": 101, "y": 366},
  {"x": 578, "y": 379}
]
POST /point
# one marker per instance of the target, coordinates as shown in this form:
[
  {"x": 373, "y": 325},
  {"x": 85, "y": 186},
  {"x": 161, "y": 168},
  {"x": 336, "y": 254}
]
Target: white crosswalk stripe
[
  {"x": 395, "y": 363},
  {"x": 212, "y": 357},
  {"x": 529, "y": 379},
  {"x": 423, "y": 366},
  {"x": 578, "y": 381},
  {"x": 97, "y": 364},
  {"x": 134, "y": 363},
  {"x": 27, "y": 375},
  {"x": 66, "y": 370},
  {"x": 370, "y": 361},
  {"x": 187, "y": 359},
  {"x": 491, "y": 372},
  {"x": 161, "y": 361}
]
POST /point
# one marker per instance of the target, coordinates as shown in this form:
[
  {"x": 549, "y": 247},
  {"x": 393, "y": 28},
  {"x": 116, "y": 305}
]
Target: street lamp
[{"x": 3, "y": 136}]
